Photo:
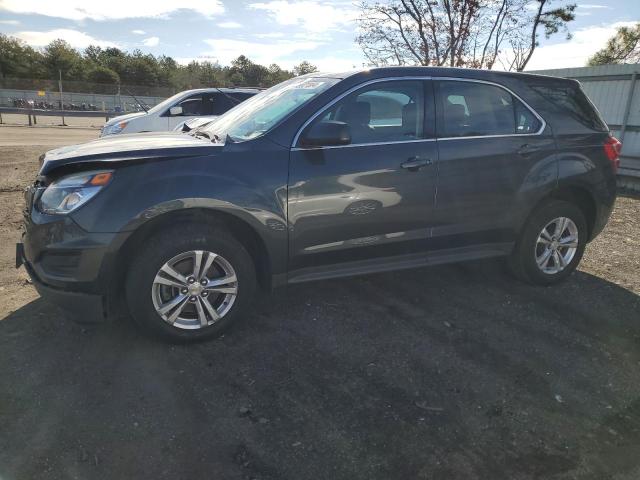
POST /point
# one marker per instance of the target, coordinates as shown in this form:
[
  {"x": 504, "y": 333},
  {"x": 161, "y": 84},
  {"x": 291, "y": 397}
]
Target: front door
[
  {"x": 370, "y": 200},
  {"x": 195, "y": 106}
]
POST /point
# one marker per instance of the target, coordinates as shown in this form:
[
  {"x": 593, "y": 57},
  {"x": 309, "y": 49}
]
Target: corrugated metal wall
[{"x": 615, "y": 91}]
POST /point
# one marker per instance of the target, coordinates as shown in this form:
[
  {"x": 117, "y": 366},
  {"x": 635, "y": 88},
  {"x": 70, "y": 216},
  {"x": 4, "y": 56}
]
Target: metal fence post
[{"x": 627, "y": 108}]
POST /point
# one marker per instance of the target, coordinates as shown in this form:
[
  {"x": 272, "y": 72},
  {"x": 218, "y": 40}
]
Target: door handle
[
  {"x": 414, "y": 164},
  {"x": 526, "y": 149}
]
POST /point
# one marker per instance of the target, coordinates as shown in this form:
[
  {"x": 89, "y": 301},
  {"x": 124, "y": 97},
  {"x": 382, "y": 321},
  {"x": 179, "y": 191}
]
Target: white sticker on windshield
[{"x": 310, "y": 84}]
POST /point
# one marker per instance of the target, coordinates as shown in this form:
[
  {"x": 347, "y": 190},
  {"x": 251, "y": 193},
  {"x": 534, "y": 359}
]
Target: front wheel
[
  {"x": 551, "y": 243},
  {"x": 190, "y": 283}
]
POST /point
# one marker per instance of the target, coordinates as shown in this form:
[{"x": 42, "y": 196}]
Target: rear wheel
[
  {"x": 190, "y": 283},
  {"x": 551, "y": 243}
]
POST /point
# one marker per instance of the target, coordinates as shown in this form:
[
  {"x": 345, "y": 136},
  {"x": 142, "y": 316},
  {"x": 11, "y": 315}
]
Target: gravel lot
[{"x": 453, "y": 372}]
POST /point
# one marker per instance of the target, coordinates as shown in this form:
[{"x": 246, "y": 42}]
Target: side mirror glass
[
  {"x": 329, "y": 133},
  {"x": 175, "y": 111}
]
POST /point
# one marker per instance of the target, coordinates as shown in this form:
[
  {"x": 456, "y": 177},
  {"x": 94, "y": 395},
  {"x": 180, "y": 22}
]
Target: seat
[
  {"x": 455, "y": 119},
  {"x": 410, "y": 120},
  {"x": 357, "y": 115}
]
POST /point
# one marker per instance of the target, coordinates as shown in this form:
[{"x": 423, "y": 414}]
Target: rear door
[
  {"x": 494, "y": 156},
  {"x": 364, "y": 201}
]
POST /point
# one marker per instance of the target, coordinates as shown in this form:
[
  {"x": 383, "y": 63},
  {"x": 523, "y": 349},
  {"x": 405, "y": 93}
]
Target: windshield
[
  {"x": 257, "y": 115},
  {"x": 167, "y": 103}
]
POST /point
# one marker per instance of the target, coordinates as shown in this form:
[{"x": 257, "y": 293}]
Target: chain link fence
[{"x": 78, "y": 96}]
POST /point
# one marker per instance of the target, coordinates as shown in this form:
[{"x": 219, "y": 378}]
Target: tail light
[{"x": 612, "y": 149}]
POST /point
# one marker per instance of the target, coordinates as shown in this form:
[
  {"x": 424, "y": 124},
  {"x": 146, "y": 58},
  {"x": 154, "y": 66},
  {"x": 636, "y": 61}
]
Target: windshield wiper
[
  {"x": 198, "y": 133},
  {"x": 214, "y": 137}
]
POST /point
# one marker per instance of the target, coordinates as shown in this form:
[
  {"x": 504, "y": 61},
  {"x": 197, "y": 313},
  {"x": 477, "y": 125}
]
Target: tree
[
  {"x": 17, "y": 59},
  {"x": 277, "y": 74},
  {"x": 623, "y": 47},
  {"x": 110, "y": 66},
  {"x": 60, "y": 56},
  {"x": 551, "y": 20},
  {"x": 456, "y": 33},
  {"x": 101, "y": 74},
  {"x": 93, "y": 53},
  {"x": 303, "y": 68},
  {"x": 246, "y": 73}
]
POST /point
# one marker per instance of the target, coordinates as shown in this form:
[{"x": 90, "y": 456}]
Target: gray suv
[{"x": 324, "y": 175}]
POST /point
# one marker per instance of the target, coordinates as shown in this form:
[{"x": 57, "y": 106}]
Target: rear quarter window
[{"x": 571, "y": 101}]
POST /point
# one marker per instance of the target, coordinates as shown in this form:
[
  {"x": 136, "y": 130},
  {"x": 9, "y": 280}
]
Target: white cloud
[
  {"x": 138, "y": 32},
  {"x": 310, "y": 14},
  {"x": 336, "y": 64},
  {"x": 590, "y": 6},
  {"x": 9, "y": 22},
  {"x": 269, "y": 35},
  {"x": 111, "y": 9},
  {"x": 151, "y": 41},
  {"x": 75, "y": 38},
  {"x": 229, "y": 25},
  {"x": 225, "y": 50},
  {"x": 575, "y": 52}
]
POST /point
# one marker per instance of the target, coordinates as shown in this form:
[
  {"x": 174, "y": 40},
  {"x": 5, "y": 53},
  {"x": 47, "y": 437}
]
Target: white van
[{"x": 202, "y": 102}]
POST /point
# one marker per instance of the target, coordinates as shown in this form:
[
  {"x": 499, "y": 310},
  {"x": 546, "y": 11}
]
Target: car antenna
[
  {"x": 142, "y": 104},
  {"x": 234, "y": 100}
]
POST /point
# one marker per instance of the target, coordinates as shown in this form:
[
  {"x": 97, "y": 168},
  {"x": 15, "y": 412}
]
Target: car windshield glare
[{"x": 260, "y": 113}]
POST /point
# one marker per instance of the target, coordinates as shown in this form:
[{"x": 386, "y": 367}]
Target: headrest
[
  {"x": 410, "y": 115},
  {"x": 455, "y": 110},
  {"x": 356, "y": 113}
]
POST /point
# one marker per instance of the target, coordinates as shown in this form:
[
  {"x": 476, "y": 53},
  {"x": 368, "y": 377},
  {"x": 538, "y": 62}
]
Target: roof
[
  {"x": 472, "y": 73},
  {"x": 224, "y": 90}
]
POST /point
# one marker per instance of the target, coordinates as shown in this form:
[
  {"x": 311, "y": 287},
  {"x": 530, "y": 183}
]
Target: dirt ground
[{"x": 453, "y": 372}]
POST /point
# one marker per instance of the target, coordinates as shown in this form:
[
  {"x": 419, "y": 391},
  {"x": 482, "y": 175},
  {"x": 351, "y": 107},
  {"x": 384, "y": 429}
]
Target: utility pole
[{"x": 61, "y": 102}]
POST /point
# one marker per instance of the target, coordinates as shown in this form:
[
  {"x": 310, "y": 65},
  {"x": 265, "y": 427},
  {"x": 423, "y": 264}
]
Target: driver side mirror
[
  {"x": 175, "y": 111},
  {"x": 329, "y": 133}
]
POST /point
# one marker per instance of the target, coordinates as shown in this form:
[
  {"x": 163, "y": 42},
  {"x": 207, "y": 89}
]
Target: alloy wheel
[
  {"x": 556, "y": 246},
  {"x": 194, "y": 289}
]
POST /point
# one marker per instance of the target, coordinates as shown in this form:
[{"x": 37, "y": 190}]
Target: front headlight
[
  {"x": 115, "y": 128},
  {"x": 70, "y": 192}
]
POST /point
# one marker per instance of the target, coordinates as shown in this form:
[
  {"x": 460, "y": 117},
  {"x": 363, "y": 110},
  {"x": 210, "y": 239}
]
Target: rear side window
[
  {"x": 470, "y": 109},
  {"x": 573, "y": 102}
]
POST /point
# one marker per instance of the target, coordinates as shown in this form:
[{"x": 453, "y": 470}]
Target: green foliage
[
  {"x": 112, "y": 66},
  {"x": 59, "y": 56},
  {"x": 304, "y": 68},
  {"x": 101, "y": 74},
  {"x": 623, "y": 47}
]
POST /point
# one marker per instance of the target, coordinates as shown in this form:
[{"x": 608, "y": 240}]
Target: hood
[
  {"x": 136, "y": 146},
  {"x": 121, "y": 118},
  {"x": 192, "y": 123}
]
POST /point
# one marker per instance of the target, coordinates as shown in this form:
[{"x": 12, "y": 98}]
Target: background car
[{"x": 190, "y": 104}]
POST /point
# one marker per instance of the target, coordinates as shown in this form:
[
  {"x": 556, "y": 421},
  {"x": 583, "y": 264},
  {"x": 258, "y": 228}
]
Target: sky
[{"x": 267, "y": 31}]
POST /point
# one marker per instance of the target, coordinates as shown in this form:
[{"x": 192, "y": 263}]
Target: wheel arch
[
  {"x": 578, "y": 195},
  {"x": 243, "y": 231}
]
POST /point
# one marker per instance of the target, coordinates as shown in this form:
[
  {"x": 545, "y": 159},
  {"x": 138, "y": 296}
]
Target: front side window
[
  {"x": 470, "y": 109},
  {"x": 382, "y": 112},
  {"x": 196, "y": 105}
]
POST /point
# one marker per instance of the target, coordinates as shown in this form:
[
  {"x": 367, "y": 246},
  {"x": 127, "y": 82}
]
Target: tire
[
  {"x": 147, "y": 288},
  {"x": 529, "y": 249}
]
